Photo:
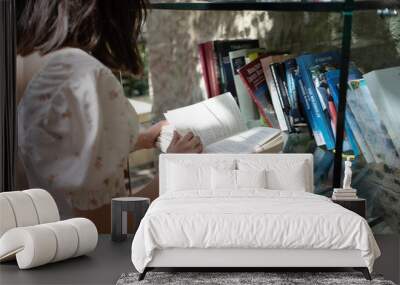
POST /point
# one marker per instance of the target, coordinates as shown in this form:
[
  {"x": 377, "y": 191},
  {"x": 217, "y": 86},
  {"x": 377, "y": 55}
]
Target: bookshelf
[
  {"x": 9, "y": 10},
  {"x": 344, "y": 7}
]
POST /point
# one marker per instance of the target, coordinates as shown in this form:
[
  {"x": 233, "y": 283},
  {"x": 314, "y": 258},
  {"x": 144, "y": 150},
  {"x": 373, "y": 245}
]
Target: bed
[{"x": 247, "y": 211}]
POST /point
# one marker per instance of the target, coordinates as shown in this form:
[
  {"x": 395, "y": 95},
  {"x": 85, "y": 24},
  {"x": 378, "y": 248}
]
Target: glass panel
[
  {"x": 141, "y": 164},
  {"x": 176, "y": 73},
  {"x": 374, "y": 103},
  {"x": 376, "y": 45}
]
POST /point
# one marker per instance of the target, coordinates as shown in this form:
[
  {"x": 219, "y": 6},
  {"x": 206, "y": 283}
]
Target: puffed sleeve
[{"x": 75, "y": 133}]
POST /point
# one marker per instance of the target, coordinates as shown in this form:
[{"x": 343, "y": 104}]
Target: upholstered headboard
[{"x": 281, "y": 162}]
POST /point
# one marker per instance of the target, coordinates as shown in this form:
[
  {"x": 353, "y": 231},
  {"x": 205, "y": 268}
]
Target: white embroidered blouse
[{"x": 75, "y": 130}]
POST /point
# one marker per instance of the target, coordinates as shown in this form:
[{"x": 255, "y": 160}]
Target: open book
[{"x": 221, "y": 128}]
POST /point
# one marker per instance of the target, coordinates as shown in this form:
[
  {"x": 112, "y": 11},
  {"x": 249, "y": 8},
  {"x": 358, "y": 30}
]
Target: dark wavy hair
[{"x": 108, "y": 29}]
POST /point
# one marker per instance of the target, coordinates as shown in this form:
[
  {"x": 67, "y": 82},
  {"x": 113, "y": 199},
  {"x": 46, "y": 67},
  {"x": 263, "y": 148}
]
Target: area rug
[{"x": 244, "y": 278}]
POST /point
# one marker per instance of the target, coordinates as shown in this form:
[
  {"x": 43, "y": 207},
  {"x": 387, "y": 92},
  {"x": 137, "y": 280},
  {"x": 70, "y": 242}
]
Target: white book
[
  {"x": 341, "y": 190},
  {"x": 221, "y": 128},
  {"x": 369, "y": 118},
  {"x": 384, "y": 86},
  {"x": 246, "y": 104},
  {"x": 273, "y": 91},
  {"x": 345, "y": 194},
  {"x": 345, "y": 198}
]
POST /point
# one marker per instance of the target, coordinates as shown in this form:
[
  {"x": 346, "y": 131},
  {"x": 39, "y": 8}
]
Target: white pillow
[
  {"x": 184, "y": 174},
  {"x": 251, "y": 179},
  {"x": 282, "y": 174},
  {"x": 225, "y": 179},
  {"x": 188, "y": 177},
  {"x": 294, "y": 179}
]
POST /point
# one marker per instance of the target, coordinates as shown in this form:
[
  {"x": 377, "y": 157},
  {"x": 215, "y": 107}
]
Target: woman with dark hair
[{"x": 76, "y": 128}]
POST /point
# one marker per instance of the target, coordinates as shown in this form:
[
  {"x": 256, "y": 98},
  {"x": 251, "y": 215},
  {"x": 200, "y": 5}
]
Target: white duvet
[{"x": 250, "y": 219}]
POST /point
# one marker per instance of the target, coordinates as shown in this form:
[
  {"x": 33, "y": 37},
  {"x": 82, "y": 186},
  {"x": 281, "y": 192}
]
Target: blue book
[
  {"x": 333, "y": 78},
  {"x": 222, "y": 49},
  {"x": 321, "y": 118},
  {"x": 305, "y": 101},
  {"x": 295, "y": 114}
]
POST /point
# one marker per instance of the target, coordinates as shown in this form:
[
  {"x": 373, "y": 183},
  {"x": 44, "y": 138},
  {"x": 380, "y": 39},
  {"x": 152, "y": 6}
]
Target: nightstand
[
  {"x": 358, "y": 206},
  {"x": 119, "y": 208}
]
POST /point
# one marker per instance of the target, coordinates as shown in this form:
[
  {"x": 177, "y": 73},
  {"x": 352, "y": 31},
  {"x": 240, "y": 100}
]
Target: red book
[
  {"x": 332, "y": 113},
  {"x": 211, "y": 63},
  {"x": 253, "y": 78},
  {"x": 203, "y": 62}
]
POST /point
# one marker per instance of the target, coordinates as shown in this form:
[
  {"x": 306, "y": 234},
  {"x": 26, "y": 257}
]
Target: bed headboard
[{"x": 267, "y": 160}]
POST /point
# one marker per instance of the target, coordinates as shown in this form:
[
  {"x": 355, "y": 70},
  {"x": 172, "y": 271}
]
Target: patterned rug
[{"x": 244, "y": 278}]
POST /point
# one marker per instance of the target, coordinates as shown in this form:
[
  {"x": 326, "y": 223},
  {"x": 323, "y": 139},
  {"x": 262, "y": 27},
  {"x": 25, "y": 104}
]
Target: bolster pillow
[{"x": 40, "y": 244}]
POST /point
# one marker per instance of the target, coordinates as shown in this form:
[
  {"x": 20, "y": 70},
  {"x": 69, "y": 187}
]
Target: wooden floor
[{"x": 110, "y": 260}]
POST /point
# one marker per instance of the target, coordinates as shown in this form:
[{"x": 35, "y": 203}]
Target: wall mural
[{"x": 176, "y": 80}]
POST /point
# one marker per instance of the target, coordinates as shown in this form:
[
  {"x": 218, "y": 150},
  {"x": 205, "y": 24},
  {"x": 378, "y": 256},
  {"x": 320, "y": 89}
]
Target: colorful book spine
[
  {"x": 273, "y": 89},
  {"x": 213, "y": 74},
  {"x": 317, "y": 72},
  {"x": 350, "y": 121},
  {"x": 305, "y": 101},
  {"x": 222, "y": 49},
  {"x": 332, "y": 113},
  {"x": 333, "y": 77},
  {"x": 321, "y": 119},
  {"x": 282, "y": 94},
  {"x": 295, "y": 113},
  {"x": 204, "y": 69},
  {"x": 246, "y": 104},
  {"x": 253, "y": 77}
]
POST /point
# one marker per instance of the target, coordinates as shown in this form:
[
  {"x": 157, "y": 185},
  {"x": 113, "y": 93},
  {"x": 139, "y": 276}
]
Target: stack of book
[
  {"x": 300, "y": 94},
  {"x": 344, "y": 194}
]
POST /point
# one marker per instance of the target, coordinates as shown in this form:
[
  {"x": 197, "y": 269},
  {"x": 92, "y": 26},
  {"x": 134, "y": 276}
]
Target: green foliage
[{"x": 138, "y": 86}]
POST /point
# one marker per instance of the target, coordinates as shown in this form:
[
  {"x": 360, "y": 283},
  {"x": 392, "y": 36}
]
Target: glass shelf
[{"x": 257, "y": 5}]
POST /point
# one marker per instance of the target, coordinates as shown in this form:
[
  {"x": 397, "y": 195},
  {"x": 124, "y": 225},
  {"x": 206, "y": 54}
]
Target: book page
[
  {"x": 225, "y": 109},
  {"x": 197, "y": 119},
  {"x": 211, "y": 120},
  {"x": 250, "y": 141},
  {"x": 273, "y": 146}
]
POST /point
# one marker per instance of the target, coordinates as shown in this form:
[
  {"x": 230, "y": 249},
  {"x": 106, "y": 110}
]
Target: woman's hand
[
  {"x": 188, "y": 143},
  {"x": 148, "y": 138},
  {"x": 153, "y": 133}
]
